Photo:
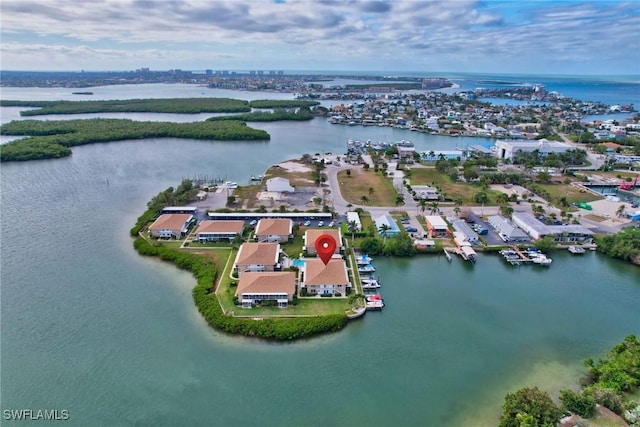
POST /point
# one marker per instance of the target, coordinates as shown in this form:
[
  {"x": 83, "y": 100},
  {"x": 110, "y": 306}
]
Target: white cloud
[{"x": 296, "y": 34}]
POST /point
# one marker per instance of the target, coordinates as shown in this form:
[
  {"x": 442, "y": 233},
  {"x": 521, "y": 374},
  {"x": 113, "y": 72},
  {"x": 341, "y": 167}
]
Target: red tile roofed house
[
  {"x": 257, "y": 257},
  {"x": 321, "y": 279},
  {"x": 436, "y": 225},
  {"x": 312, "y": 234},
  {"x": 256, "y": 287},
  {"x": 169, "y": 226},
  {"x": 274, "y": 230},
  {"x": 209, "y": 231}
]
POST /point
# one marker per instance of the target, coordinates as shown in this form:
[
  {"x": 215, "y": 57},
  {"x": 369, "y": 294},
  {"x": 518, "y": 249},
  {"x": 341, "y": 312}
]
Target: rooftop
[
  {"x": 267, "y": 283},
  {"x": 171, "y": 221},
  {"x": 220, "y": 227},
  {"x": 258, "y": 253},
  {"x": 273, "y": 226},
  {"x": 317, "y": 273}
]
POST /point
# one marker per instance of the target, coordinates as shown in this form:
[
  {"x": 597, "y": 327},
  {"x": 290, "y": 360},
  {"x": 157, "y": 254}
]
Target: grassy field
[
  {"x": 246, "y": 193},
  {"x": 294, "y": 247},
  {"x": 358, "y": 184},
  {"x": 573, "y": 194},
  {"x": 452, "y": 190}
]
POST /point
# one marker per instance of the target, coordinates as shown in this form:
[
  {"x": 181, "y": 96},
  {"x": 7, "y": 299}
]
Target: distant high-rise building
[
  {"x": 208, "y": 72},
  {"x": 260, "y": 72}
]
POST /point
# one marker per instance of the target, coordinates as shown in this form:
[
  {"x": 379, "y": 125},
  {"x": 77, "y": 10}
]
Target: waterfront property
[
  {"x": 312, "y": 234},
  {"x": 507, "y": 231},
  {"x": 355, "y": 218},
  {"x": 212, "y": 231},
  {"x": 330, "y": 279},
  {"x": 170, "y": 226},
  {"x": 462, "y": 227},
  {"x": 563, "y": 234},
  {"x": 507, "y": 149},
  {"x": 253, "y": 288},
  {"x": 464, "y": 247},
  {"x": 436, "y": 225},
  {"x": 274, "y": 230},
  {"x": 254, "y": 257},
  {"x": 385, "y": 224}
]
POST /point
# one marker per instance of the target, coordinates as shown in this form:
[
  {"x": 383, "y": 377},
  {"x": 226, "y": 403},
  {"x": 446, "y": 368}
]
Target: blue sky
[{"x": 524, "y": 37}]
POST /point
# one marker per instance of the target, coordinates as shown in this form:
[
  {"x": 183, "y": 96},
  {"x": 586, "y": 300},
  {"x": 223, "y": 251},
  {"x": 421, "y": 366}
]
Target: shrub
[{"x": 582, "y": 404}]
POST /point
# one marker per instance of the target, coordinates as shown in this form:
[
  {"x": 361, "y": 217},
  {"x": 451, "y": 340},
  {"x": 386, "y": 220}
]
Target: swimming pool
[{"x": 298, "y": 263}]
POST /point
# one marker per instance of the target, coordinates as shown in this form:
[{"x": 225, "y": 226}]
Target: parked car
[
  {"x": 252, "y": 223},
  {"x": 321, "y": 224},
  {"x": 331, "y": 224},
  {"x": 411, "y": 229},
  {"x": 308, "y": 223}
]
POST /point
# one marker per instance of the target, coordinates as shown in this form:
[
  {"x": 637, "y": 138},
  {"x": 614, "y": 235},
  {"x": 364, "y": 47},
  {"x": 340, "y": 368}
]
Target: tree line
[
  {"x": 609, "y": 382},
  {"x": 624, "y": 244},
  {"x": 52, "y": 139},
  {"x": 266, "y": 116}
]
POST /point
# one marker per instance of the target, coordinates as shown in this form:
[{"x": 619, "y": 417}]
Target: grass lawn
[
  {"x": 305, "y": 307},
  {"x": 248, "y": 193},
  {"x": 356, "y": 185},
  {"x": 452, "y": 190},
  {"x": 294, "y": 248},
  {"x": 573, "y": 194},
  {"x": 172, "y": 244}
]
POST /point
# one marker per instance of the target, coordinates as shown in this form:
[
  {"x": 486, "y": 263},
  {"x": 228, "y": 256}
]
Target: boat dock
[
  {"x": 369, "y": 282},
  {"x": 447, "y": 254},
  {"x": 516, "y": 256}
]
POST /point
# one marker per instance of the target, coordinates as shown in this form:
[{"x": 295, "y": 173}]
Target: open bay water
[{"x": 114, "y": 338}]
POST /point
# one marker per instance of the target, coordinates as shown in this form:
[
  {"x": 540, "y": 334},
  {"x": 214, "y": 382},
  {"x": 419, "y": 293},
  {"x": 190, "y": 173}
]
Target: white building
[
  {"x": 354, "y": 217},
  {"x": 507, "y": 231},
  {"x": 563, "y": 234},
  {"x": 506, "y": 149}
]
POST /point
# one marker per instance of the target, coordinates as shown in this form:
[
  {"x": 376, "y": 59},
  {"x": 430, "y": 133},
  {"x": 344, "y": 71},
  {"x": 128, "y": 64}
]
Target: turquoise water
[
  {"x": 298, "y": 263},
  {"x": 91, "y": 327}
]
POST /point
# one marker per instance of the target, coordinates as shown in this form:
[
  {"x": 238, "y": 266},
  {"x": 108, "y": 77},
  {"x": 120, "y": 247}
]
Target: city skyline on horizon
[{"x": 490, "y": 37}]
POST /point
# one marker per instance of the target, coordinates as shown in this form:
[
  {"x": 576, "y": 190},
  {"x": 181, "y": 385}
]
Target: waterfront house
[
  {"x": 170, "y": 226},
  {"x": 469, "y": 235},
  {"x": 257, "y": 257},
  {"x": 274, "y": 230},
  {"x": 387, "y": 222},
  {"x": 312, "y": 234},
  {"x": 253, "y": 288},
  {"x": 506, "y": 149},
  {"x": 321, "y": 279},
  {"x": 355, "y": 218},
  {"x": 436, "y": 225},
  {"x": 562, "y": 234},
  {"x": 507, "y": 231},
  {"x": 211, "y": 231}
]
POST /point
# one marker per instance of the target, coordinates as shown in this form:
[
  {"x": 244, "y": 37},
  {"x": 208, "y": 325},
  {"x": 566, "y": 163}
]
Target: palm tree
[
  {"x": 423, "y": 205},
  {"x": 502, "y": 199},
  {"x": 621, "y": 210},
  {"x": 434, "y": 207},
  {"x": 371, "y": 191},
  {"x": 457, "y": 210},
  {"x": 384, "y": 228},
  {"x": 352, "y": 227},
  {"x": 364, "y": 199}
]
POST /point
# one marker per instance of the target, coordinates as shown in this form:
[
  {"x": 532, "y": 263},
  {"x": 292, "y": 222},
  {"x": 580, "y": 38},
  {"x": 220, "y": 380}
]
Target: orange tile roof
[
  {"x": 334, "y": 273},
  {"x": 267, "y": 282},
  {"x": 274, "y": 226},
  {"x": 220, "y": 227},
  {"x": 258, "y": 253},
  {"x": 312, "y": 234},
  {"x": 170, "y": 221}
]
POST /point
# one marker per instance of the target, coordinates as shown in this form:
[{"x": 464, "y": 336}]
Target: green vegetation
[
  {"x": 170, "y": 105},
  {"x": 184, "y": 193},
  {"x": 265, "y": 116},
  {"x": 624, "y": 245},
  {"x": 282, "y": 103},
  {"x": 205, "y": 272},
  {"x": 610, "y": 381},
  {"x": 52, "y": 139},
  {"x": 529, "y": 407}
]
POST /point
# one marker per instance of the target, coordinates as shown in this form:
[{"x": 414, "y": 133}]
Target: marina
[
  {"x": 369, "y": 282},
  {"x": 576, "y": 250},
  {"x": 516, "y": 256}
]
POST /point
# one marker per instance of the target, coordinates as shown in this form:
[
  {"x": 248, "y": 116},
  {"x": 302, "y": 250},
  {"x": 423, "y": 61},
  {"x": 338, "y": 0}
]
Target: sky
[{"x": 516, "y": 37}]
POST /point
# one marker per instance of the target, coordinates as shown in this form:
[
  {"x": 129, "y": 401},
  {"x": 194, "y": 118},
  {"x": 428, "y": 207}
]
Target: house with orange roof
[
  {"x": 213, "y": 231},
  {"x": 257, "y": 257},
  {"x": 254, "y": 288},
  {"x": 318, "y": 278},
  {"x": 171, "y": 226},
  {"x": 312, "y": 234},
  {"x": 274, "y": 230}
]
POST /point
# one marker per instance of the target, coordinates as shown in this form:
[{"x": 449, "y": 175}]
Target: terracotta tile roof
[
  {"x": 170, "y": 221},
  {"x": 312, "y": 234},
  {"x": 220, "y": 227},
  {"x": 334, "y": 273},
  {"x": 258, "y": 253},
  {"x": 267, "y": 282},
  {"x": 274, "y": 226}
]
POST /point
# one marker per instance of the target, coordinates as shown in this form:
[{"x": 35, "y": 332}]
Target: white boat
[
  {"x": 540, "y": 259},
  {"x": 370, "y": 284},
  {"x": 364, "y": 260},
  {"x": 576, "y": 250},
  {"x": 367, "y": 269}
]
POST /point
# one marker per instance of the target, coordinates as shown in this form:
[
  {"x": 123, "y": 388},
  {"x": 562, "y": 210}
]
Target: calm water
[{"x": 89, "y": 326}]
